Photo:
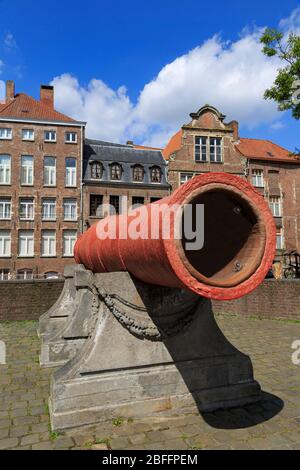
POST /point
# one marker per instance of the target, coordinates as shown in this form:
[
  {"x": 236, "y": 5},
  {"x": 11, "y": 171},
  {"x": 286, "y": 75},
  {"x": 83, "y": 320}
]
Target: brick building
[
  {"x": 40, "y": 174},
  {"x": 121, "y": 176},
  {"x": 207, "y": 143}
]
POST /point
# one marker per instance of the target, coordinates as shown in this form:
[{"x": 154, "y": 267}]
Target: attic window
[
  {"x": 270, "y": 154},
  {"x": 24, "y": 111}
]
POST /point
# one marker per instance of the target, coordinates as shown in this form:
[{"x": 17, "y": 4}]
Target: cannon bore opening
[{"x": 234, "y": 237}]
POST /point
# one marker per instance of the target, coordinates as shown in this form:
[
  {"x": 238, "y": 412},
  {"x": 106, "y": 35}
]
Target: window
[
  {"x": 200, "y": 149},
  {"x": 5, "y": 208},
  {"x": 71, "y": 137},
  {"x": 184, "y": 177},
  {"x": 48, "y": 209},
  {"x": 115, "y": 171},
  {"x": 49, "y": 171},
  {"x": 114, "y": 202},
  {"x": 155, "y": 174},
  {"x": 258, "y": 178},
  {"x": 26, "y": 243},
  {"x": 51, "y": 275},
  {"x": 48, "y": 243},
  {"x": 96, "y": 201},
  {"x": 24, "y": 274},
  {"x": 69, "y": 239},
  {"x": 96, "y": 170},
  {"x": 70, "y": 171},
  {"x": 5, "y": 133},
  {"x": 5, "y": 169},
  {"x": 279, "y": 239},
  {"x": 28, "y": 134},
  {"x": 70, "y": 209},
  {"x": 137, "y": 201},
  {"x": 50, "y": 136},
  {"x": 275, "y": 206},
  {"x": 4, "y": 274},
  {"x": 138, "y": 173},
  {"x": 215, "y": 149},
  {"x": 5, "y": 243},
  {"x": 154, "y": 199},
  {"x": 26, "y": 208},
  {"x": 27, "y": 170}
]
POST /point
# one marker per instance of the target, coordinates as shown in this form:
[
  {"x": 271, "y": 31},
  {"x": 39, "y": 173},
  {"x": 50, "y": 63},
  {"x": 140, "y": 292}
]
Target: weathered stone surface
[{"x": 169, "y": 352}]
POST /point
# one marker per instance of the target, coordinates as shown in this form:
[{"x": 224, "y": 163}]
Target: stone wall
[
  {"x": 27, "y": 300},
  {"x": 272, "y": 299}
]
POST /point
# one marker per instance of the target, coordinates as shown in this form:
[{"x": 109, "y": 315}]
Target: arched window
[
  {"x": 155, "y": 174},
  {"x": 115, "y": 171},
  {"x": 96, "y": 170},
  {"x": 24, "y": 274},
  {"x": 137, "y": 173},
  {"x": 51, "y": 275}
]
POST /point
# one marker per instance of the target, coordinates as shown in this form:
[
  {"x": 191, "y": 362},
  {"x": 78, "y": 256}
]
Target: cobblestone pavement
[{"x": 273, "y": 423}]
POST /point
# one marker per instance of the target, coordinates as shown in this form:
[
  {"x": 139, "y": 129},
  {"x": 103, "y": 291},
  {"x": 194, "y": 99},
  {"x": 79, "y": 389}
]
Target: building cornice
[{"x": 43, "y": 121}]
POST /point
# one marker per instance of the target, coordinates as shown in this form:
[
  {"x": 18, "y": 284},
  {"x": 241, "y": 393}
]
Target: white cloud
[
  {"x": 231, "y": 76},
  {"x": 10, "y": 42},
  {"x": 292, "y": 23}
]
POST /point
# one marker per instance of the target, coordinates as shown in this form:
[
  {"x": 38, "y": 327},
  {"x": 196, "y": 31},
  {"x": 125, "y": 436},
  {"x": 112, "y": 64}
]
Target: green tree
[{"x": 285, "y": 90}]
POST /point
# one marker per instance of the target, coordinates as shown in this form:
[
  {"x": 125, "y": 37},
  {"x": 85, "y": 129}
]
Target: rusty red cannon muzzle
[{"x": 239, "y": 240}]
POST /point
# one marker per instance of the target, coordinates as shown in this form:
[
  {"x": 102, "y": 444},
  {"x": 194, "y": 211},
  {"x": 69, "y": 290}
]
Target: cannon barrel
[{"x": 239, "y": 240}]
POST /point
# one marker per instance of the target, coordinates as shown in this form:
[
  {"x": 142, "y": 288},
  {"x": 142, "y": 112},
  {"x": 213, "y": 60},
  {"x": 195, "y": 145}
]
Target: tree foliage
[{"x": 285, "y": 90}]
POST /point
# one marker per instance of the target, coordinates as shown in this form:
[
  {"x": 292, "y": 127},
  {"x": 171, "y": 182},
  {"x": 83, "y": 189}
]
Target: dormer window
[
  {"x": 155, "y": 174},
  {"x": 115, "y": 171},
  {"x": 96, "y": 170},
  {"x": 137, "y": 173}
]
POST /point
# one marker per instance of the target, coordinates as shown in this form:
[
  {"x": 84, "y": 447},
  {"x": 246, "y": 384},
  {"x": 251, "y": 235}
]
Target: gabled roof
[
  {"x": 173, "y": 145},
  {"x": 25, "y": 107},
  {"x": 260, "y": 149}
]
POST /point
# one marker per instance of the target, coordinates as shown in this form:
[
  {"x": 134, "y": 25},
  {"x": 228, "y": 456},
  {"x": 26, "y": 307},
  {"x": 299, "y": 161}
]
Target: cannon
[{"x": 156, "y": 348}]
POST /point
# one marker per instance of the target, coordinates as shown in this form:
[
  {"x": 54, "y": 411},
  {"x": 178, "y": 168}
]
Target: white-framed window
[
  {"x": 215, "y": 149},
  {"x": 5, "y": 169},
  {"x": 200, "y": 148},
  {"x": 50, "y": 136},
  {"x": 5, "y": 133},
  {"x": 48, "y": 243},
  {"x": 25, "y": 274},
  {"x": 69, "y": 239},
  {"x": 258, "y": 178},
  {"x": 279, "y": 239},
  {"x": 28, "y": 134},
  {"x": 71, "y": 137},
  {"x": 184, "y": 177},
  {"x": 27, "y": 170},
  {"x": 275, "y": 205},
  {"x": 70, "y": 209},
  {"x": 5, "y": 208},
  {"x": 26, "y": 243},
  {"x": 26, "y": 208},
  {"x": 4, "y": 274},
  {"x": 70, "y": 172},
  {"x": 5, "y": 243},
  {"x": 49, "y": 171},
  {"x": 48, "y": 208},
  {"x": 51, "y": 275}
]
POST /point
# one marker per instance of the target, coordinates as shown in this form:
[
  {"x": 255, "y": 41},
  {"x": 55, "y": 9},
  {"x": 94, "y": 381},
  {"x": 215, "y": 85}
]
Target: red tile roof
[
  {"x": 259, "y": 149},
  {"x": 173, "y": 145},
  {"x": 143, "y": 147},
  {"x": 26, "y": 107}
]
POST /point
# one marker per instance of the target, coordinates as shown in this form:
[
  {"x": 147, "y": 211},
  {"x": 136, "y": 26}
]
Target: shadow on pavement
[{"x": 245, "y": 416}]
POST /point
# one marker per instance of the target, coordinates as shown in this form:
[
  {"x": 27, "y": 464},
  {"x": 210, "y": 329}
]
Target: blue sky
[{"x": 136, "y": 69}]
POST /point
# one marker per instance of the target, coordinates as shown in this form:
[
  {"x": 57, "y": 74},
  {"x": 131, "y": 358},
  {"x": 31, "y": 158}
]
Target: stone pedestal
[
  {"x": 56, "y": 316},
  {"x": 62, "y": 342},
  {"x": 153, "y": 351}
]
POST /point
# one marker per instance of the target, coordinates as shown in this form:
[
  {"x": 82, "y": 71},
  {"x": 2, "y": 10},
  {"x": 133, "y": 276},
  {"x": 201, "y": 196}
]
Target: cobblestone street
[{"x": 273, "y": 423}]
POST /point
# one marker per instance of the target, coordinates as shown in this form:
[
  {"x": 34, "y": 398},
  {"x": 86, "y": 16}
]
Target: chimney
[
  {"x": 10, "y": 91},
  {"x": 235, "y": 127},
  {"x": 129, "y": 142},
  {"x": 47, "y": 95}
]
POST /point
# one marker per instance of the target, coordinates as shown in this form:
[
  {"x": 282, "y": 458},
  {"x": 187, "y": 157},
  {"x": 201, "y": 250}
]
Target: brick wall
[
  {"x": 272, "y": 299},
  {"x": 27, "y": 300}
]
